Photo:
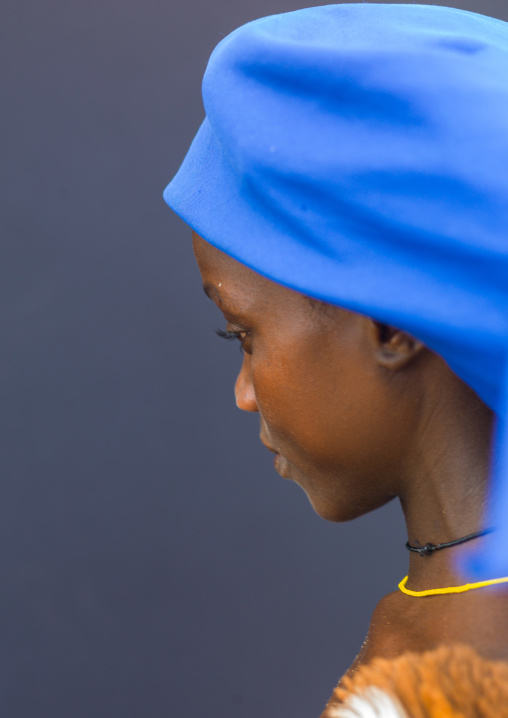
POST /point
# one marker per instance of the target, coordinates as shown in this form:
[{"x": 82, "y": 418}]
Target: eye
[{"x": 230, "y": 335}]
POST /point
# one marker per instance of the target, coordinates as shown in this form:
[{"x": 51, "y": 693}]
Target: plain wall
[{"x": 152, "y": 561}]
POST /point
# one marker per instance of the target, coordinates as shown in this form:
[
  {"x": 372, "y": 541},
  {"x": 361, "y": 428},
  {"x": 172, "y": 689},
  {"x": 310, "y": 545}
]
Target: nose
[{"x": 244, "y": 389}]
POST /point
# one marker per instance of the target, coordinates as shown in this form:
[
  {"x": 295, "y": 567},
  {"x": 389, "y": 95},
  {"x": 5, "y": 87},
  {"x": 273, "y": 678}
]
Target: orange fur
[{"x": 449, "y": 682}]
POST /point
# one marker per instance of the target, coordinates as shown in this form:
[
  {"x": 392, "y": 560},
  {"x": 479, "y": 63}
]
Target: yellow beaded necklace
[{"x": 452, "y": 589}]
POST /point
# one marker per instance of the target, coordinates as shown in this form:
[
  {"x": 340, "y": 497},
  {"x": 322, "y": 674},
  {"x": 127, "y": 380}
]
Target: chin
[
  {"x": 340, "y": 512},
  {"x": 332, "y": 512},
  {"x": 337, "y": 498}
]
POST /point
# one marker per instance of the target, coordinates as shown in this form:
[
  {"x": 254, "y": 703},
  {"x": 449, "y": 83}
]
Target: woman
[{"x": 349, "y": 197}]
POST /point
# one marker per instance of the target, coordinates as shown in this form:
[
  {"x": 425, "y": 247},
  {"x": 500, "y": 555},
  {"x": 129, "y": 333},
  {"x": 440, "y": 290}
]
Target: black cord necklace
[{"x": 429, "y": 548}]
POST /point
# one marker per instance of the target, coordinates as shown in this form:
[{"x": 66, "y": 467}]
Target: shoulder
[
  {"x": 386, "y": 638},
  {"x": 388, "y": 625},
  {"x": 402, "y": 623},
  {"x": 393, "y": 629}
]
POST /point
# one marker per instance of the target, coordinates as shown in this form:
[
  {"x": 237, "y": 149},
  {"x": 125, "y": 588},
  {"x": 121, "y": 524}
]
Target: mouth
[
  {"x": 281, "y": 466},
  {"x": 279, "y": 462},
  {"x": 267, "y": 446}
]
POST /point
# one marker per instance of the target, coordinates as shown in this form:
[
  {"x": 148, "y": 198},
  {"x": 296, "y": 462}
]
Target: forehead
[
  {"x": 241, "y": 292},
  {"x": 212, "y": 260},
  {"x": 225, "y": 276}
]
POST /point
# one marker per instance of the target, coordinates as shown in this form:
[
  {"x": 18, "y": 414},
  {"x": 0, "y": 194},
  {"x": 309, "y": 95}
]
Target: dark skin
[{"x": 358, "y": 413}]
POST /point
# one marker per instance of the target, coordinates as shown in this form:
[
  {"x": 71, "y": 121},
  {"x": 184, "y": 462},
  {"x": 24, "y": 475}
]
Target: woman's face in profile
[{"x": 333, "y": 417}]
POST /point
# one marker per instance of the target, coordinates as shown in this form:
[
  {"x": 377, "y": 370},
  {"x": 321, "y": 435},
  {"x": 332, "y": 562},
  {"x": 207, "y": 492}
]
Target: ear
[{"x": 393, "y": 348}]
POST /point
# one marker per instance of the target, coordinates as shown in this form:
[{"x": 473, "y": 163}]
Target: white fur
[{"x": 371, "y": 703}]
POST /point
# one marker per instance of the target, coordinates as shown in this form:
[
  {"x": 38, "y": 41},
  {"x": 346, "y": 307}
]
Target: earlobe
[{"x": 393, "y": 348}]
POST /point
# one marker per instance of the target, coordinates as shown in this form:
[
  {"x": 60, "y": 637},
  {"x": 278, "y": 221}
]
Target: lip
[
  {"x": 279, "y": 462},
  {"x": 281, "y": 466},
  {"x": 267, "y": 446}
]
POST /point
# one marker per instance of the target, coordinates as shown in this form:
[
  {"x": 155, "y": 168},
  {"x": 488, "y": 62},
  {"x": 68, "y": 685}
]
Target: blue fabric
[{"x": 359, "y": 153}]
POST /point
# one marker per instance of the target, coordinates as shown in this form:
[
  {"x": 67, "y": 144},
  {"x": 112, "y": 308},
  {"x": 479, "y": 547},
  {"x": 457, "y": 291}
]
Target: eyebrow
[{"x": 212, "y": 292}]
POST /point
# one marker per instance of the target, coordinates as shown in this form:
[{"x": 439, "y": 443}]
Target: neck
[{"x": 445, "y": 495}]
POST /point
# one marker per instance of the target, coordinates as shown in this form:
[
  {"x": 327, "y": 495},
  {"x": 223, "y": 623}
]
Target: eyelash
[{"x": 225, "y": 334}]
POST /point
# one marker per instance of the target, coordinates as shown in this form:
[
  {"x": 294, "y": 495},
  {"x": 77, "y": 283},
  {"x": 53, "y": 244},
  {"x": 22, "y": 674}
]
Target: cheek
[
  {"x": 272, "y": 390},
  {"x": 293, "y": 398},
  {"x": 324, "y": 416},
  {"x": 335, "y": 419}
]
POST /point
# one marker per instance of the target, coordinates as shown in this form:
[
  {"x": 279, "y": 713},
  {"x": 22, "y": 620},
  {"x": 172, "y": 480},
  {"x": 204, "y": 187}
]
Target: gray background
[{"x": 152, "y": 562}]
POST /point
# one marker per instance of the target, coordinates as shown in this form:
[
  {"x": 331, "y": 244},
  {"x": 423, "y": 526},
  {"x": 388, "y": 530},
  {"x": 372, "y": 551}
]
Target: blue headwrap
[{"x": 359, "y": 153}]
